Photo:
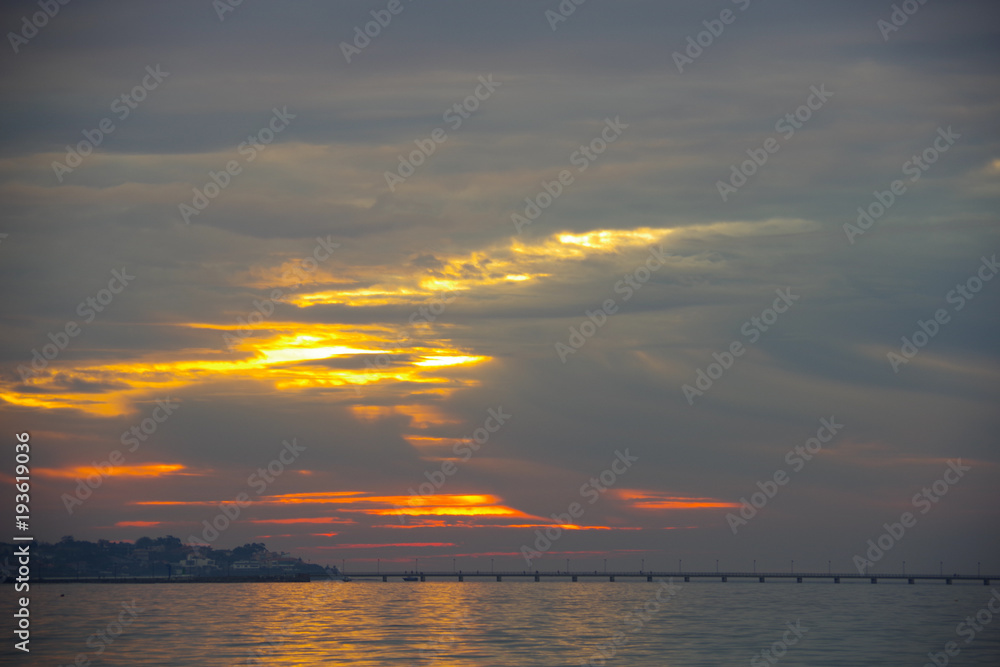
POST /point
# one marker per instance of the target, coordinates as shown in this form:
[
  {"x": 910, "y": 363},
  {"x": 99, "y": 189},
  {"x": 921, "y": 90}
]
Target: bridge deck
[{"x": 538, "y": 575}]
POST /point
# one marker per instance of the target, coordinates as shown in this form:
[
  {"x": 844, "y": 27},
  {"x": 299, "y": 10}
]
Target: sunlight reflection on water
[{"x": 509, "y": 623}]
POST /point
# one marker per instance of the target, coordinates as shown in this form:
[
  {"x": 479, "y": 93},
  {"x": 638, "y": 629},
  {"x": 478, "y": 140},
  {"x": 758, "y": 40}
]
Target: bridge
[{"x": 762, "y": 577}]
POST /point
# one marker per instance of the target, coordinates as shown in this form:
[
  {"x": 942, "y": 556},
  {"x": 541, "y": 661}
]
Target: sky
[{"x": 507, "y": 284}]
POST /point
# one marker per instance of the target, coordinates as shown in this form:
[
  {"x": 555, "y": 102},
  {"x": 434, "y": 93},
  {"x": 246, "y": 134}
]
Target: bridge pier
[
  {"x": 798, "y": 580},
  {"x": 874, "y": 580},
  {"x": 499, "y": 578},
  {"x": 385, "y": 578},
  {"x": 611, "y": 578},
  {"x": 574, "y": 577},
  {"x": 761, "y": 580},
  {"x": 836, "y": 580},
  {"x": 948, "y": 581},
  {"x": 461, "y": 578},
  {"x": 986, "y": 582},
  {"x": 423, "y": 578},
  {"x": 537, "y": 578},
  {"x": 725, "y": 579},
  {"x": 911, "y": 580},
  {"x": 687, "y": 579},
  {"x": 649, "y": 578}
]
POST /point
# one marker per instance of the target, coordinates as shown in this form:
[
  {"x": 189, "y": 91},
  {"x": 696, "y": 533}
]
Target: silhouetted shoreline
[{"x": 296, "y": 578}]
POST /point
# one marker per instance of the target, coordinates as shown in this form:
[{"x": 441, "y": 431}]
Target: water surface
[{"x": 507, "y": 624}]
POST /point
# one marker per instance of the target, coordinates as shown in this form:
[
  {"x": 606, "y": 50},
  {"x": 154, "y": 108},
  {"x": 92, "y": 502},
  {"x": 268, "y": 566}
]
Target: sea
[{"x": 511, "y": 623}]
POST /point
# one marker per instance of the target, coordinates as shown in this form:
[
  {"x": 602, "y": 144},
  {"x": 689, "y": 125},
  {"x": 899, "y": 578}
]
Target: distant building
[
  {"x": 194, "y": 561},
  {"x": 246, "y": 565}
]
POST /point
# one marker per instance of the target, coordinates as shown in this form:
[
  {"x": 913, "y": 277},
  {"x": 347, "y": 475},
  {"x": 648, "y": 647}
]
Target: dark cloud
[{"x": 446, "y": 231}]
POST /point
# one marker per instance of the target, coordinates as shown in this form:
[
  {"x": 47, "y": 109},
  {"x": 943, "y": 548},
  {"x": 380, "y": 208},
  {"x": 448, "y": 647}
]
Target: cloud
[{"x": 433, "y": 307}]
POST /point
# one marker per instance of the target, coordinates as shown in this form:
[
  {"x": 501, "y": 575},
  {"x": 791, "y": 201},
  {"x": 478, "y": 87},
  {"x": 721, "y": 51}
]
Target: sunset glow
[
  {"x": 653, "y": 500},
  {"x": 624, "y": 281},
  {"x": 148, "y": 470}
]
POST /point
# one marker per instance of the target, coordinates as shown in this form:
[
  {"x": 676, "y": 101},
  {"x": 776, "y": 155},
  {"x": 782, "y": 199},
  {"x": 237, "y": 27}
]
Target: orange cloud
[
  {"x": 294, "y": 355},
  {"x": 658, "y": 500},
  {"x": 458, "y": 505},
  {"x": 147, "y": 470},
  {"x": 388, "y": 546},
  {"x": 426, "y": 441},
  {"x": 355, "y": 497},
  {"x": 287, "y": 355},
  {"x": 298, "y": 356},
  {"x": 452, "y": 522},
  {"x": 494, "y": 510},
  {"x": 321, "y": 496},
  {"x": 434, "y": 505},
  {"x": 317, "y": 519},
  {"x": 420, "y": 416},
  {"x": 138, "y": 524}
]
